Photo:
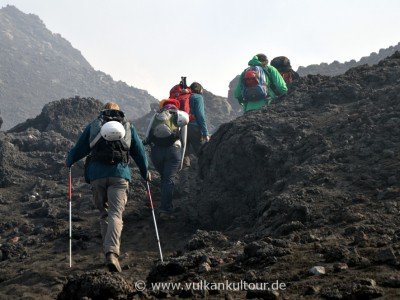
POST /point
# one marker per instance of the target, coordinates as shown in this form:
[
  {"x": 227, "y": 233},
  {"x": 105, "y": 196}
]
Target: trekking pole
[
  {"x": 70, "y": 217},
  {"x": 154, "y": 219}
]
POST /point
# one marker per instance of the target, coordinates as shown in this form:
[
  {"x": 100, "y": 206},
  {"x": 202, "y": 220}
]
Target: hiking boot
[{"x": 112, "y": 262}]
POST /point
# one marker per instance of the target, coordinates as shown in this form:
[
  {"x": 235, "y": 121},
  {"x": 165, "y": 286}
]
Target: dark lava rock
[
  {"x": 299, "y": 162},
  {"x": 266, "y": 295},
  {"x": 162, "y": 271},
  {"x": 13, "y": 250},
  {"x": 359, "y": 289},
  {"x": 331, "y": 293},
  {"x": 365, "y": 289},
  {"x": 34, "y": 140},
  {"x": 46, "y": 210},
  {"x": 202, "y": 239},
  {"x": 66, "y": 116},
  {"x": 11, "y": 161},
  {"x": 386, "y": 255},
  {"x": 97, "y": 285},
  {"x": 337, "y": 254},
  {"x": 38, "y": 146},
  {"x": 262, "y": 253},
  {"x": 393, "y": 282},
  {"x": 336, "y": 68}
]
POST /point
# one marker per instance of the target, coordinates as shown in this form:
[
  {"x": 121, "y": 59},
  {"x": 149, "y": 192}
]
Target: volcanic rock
[
  {"x": 386, "y": 255},
  {"x": 295, "y": 154},
  {"x": 317, "y": 270},
  {"x": 266, "y": 295},
  {"x": 13, "y": 250},
  {"x": 68, "y": 117},
  {"x": 97, "y": 285},
  {"x": 337, "y": 68},
  {"x": 202, "y": 239}
]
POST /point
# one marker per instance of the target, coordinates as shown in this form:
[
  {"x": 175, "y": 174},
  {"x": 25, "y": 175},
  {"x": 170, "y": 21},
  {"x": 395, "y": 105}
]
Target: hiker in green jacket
[{"x": 259, "y": 85}]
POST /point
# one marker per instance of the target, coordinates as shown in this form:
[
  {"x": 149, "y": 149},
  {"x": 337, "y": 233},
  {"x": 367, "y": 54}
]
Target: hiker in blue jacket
[
  {"x": 197, "y": 129},
  {"x": 109, "y": 173}
]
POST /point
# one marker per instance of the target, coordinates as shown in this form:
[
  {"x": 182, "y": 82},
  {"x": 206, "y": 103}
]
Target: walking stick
[
  {"x": 70, "y": 217},
  {"x": 154, "y": 219}
]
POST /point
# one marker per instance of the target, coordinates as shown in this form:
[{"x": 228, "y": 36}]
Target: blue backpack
[{"x": 254, "y": 85}]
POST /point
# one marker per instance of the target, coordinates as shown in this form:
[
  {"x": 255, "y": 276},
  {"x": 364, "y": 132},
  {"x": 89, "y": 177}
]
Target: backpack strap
[{"x": 95, "y": 140}]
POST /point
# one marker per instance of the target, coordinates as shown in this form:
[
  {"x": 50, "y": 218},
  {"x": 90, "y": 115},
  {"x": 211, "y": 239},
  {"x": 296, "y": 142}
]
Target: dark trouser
[
  {"x": 110, "y": 196},
  {"x": 193, "y": 140},
  {"x": 167, "y": 160}
]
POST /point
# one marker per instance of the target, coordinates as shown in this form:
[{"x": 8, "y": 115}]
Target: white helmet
[
  {"x": 112, "y": 131},
  {"x": 182, "y": 118}
]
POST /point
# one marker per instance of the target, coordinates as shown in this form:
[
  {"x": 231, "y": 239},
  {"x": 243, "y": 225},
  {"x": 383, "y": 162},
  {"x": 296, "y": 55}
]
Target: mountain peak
[{"x": 39, "y": 66}]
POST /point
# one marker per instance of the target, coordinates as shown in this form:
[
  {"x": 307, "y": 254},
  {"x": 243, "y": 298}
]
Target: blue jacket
[
  {"x": 97, "y": 170},
  {"x": 196, "y": 103}
]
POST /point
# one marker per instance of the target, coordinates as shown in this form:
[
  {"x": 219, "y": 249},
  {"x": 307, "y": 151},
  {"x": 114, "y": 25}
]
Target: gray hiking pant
[{"x": 110, "y": 196}]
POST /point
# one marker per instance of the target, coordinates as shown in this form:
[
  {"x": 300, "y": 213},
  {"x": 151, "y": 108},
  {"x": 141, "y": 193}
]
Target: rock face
[
  {"x": 97, "y": 285},
  {"x": 39, "y": 66},
  {"x": 218, "y": 110},
  {"x": 50, "y": 135},
  {"x": 66, "y": 116},
  {"x": 337, "y": 68},
  {"x": 329, "y": 142}
]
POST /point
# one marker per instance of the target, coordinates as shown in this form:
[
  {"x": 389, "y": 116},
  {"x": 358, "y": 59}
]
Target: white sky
[{"x": 151, "y": 43}]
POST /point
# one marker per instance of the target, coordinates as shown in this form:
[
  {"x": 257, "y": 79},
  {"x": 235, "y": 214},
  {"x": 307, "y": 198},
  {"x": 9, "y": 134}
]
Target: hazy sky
[{"x": 150, "y": 43}]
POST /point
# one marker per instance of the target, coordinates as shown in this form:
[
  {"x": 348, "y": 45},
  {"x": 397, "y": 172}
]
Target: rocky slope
[
  {"x": 337, "y": 68},
  {"x": 38, "y": 66},
  {"x": 318, "y": 171},
  {"x": 332, "y": 69},
  {"x": 305, "y": 193},
  {"x": 328, "y": 132}
]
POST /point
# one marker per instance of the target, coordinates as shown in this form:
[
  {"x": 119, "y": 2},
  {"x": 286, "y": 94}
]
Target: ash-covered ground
[{"x": 304, "y": 192}]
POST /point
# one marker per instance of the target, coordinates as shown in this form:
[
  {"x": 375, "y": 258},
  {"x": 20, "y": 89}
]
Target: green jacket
[{"x": 275, "y": 82}]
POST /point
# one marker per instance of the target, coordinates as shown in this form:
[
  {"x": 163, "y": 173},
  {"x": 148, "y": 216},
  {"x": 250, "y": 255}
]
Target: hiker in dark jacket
[
  {"x": 166, "y": 135},
  {"x": 275, "y": 85},
  {"x": 197, "y": 129},
  {"x": 282, "y": 64},
  {"x": 110, "y": 177}
]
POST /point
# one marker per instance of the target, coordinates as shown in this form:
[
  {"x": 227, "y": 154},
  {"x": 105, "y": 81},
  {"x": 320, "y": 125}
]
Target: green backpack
[{"x": 164, "y": 130}]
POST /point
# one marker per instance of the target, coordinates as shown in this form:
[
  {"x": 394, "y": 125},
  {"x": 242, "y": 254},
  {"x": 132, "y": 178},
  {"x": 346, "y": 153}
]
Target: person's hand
[
  {"x": 148, "y": 177},
  {"x": 204, "y": 139}
]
